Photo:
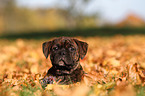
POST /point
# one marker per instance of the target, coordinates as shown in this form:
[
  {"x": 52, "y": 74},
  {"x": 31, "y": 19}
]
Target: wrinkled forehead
[{"x": 64, "y": 41}]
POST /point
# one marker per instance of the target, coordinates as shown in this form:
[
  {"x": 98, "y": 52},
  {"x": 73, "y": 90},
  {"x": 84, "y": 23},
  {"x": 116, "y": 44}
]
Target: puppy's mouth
[{"x": 61, "y": 63}]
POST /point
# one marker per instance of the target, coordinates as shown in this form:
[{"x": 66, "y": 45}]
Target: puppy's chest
[
  {"x": 75, "y": 77},
  {"x": 68, "y": 79},
  {"x": 65, "y": 79}
]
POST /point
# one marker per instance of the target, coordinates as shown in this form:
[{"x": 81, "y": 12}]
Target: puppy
[{"x": 65, "y": 53}]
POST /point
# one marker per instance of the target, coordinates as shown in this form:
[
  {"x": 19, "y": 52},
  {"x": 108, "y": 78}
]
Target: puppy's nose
[{"x": 63, "y": 53}]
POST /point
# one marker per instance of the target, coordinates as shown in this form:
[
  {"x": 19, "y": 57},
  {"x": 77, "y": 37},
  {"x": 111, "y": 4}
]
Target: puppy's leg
[{"x": 48, "y": 79}]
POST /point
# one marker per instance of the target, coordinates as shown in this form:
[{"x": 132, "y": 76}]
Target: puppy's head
[{"x": 65, "y": 51}]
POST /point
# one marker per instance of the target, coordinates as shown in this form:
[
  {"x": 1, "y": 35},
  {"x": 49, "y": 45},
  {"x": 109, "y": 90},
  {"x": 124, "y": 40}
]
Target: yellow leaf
[{"x": 49, "y": 87}]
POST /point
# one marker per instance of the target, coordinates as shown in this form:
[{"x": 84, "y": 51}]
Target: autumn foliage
[{"x": 114, "y": 66}]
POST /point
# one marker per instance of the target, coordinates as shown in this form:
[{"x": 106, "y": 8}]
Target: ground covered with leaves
[{"x": 115, "y": 66}]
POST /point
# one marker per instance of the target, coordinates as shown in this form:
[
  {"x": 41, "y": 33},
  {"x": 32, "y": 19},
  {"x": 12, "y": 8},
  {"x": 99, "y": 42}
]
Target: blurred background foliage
[{"x": 20, "y": 19}]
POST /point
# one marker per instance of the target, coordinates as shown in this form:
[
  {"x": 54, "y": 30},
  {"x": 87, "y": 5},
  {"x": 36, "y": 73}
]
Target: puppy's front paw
[{"x": 47, "y": 80}]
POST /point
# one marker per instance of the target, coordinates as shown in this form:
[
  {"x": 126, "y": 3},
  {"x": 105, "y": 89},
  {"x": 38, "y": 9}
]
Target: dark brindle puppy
[{"x": 65, "y": 53}]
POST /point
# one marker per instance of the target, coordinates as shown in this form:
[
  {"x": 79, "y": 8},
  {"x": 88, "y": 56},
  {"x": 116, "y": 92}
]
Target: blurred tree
[
  {"x": 5, "y": 3},
  {"x": 17, "y": 19},
  {"x": 7, "y": 9},
  {"x": 76, "y": 11}
]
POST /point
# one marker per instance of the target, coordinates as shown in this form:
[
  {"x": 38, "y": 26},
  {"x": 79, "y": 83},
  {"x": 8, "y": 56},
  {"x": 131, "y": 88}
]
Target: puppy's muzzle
[{"x": 62, "y": 53}]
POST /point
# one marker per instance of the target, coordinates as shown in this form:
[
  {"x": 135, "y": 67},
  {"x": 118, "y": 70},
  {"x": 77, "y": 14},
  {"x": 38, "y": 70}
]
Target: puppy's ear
[
  {"x": 83, "y": 47},
  {"x": 46, "y": 48}
]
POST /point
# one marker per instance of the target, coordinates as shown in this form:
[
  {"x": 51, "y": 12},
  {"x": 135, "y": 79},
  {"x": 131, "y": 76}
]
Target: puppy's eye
[
  {"x": 72, "y": 49},
  {"x": 55, "y": 48}
]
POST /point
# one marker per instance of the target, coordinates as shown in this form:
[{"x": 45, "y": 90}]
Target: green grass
[
  {"x": 140, "y": 90},
  {"x": 28, "y": 90}
]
